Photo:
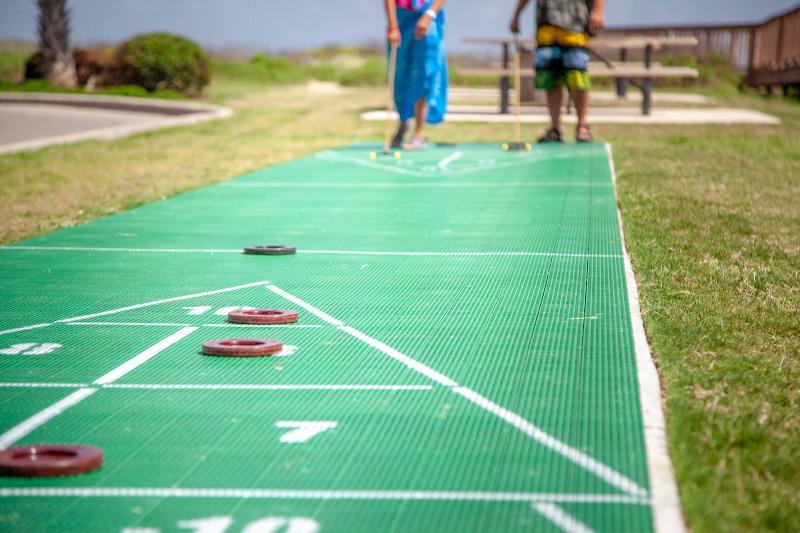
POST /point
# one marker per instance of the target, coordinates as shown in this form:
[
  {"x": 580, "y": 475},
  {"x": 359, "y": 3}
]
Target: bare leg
[
  {"x": 555, "y": 98},
  {"x": 421, "y": 115},
  {"x": 581, "y": 99}
]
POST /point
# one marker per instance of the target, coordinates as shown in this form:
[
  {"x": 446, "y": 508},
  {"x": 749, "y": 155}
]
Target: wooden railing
[
  {"x": 778, "y": 41},
  {"x": 775, "y": 58},
  {"x": 732, "y": 41},
  {"x": 769, "y": 52}
]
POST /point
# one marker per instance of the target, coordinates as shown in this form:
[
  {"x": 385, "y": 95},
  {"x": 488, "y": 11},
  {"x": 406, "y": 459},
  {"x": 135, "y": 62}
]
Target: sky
[{"x": 297, "y": 24}]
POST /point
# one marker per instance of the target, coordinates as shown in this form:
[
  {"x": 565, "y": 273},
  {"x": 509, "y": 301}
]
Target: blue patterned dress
[{"x": 421, "y": 70}]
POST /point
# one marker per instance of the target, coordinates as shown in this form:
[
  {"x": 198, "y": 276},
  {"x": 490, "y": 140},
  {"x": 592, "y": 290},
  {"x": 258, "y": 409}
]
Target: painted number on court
[
  {"x": 31, "y": 348},
  {"x": 268, "y": 524},
  {"x": 303, "y": 431}
]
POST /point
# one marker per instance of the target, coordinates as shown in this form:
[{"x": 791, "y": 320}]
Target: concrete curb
[{"x": 174, "y": 113}]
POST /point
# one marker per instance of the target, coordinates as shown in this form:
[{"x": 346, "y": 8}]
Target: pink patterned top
[{"x": 413, "y": 5}]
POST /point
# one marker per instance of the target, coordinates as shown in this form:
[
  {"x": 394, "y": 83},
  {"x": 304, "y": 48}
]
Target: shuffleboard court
[{"x": 464, "y": 361}]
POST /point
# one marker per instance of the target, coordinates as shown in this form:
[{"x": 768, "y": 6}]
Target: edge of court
[{"x": 666, "y": 505}]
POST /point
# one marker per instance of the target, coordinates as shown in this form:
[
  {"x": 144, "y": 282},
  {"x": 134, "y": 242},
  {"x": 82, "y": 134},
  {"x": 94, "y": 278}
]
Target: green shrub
[
  {"x": 275, "y": 69},
  {"x": 713, "y": 69},
  {"x": 33, "y": 67},
  {"x": 322, "y": 72},
  {"x": 372, "y": 72},
  {"x": 261, "y": 68},
  {"x": 12, "y": 65},
  {"x": 43, "y": 86},
  {"x": 161, "y": 61}
]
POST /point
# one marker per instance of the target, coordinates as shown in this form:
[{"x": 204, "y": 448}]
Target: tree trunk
[{"x": 57, "y": 62}]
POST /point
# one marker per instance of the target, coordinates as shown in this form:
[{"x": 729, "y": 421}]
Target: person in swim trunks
[
  {"x": 420, "y": 84},
  {"x": 563, "y": 28}
]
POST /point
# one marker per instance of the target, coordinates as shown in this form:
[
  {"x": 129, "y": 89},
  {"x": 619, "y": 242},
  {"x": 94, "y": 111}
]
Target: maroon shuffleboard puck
[
  {"x": 49, "y": 460},
  {"x": 263, "y": 316},
  {"x": 242, "y": 347}
]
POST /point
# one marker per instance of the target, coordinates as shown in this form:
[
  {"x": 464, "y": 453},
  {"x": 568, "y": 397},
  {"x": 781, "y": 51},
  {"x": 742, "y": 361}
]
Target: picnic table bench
[{"x": 625, "y": 72}]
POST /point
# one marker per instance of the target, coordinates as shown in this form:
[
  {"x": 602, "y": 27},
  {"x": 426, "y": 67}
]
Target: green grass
[
  {"x": 712, "y": 224},
  {"x": 42, "y": 86},
  {"x": 712, "y": 220}
]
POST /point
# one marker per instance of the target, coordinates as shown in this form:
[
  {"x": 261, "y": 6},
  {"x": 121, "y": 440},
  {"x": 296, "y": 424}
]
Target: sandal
[
  {"x": 583, "y": 134},
  {"x": 416, "y": 143},
  {"x": 553, "y": 135}
]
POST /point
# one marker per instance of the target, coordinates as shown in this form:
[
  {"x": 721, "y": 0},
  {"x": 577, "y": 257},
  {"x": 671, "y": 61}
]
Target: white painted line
[
  {"x": 308, "y": 307},
  {"x": 449, "y": 159},
  {"x": 288, "y": 326},
  {"x": 262, "y": 386},
  {"x": 286, "y": 351},
  {"x": 267, "y": 494},
  {"x": 561, "y": 519},
  {"x": 34, "y": 385},
  {"x": 607, "y": 474},
  {"x": 166, "y": 300},
  {"x": 143, "y": 357},
  {"x": 408, "y": 172},
  {"x": 154, "y": 324},
  {"x": 322, "y": 252},
  {"x": 303, "y": 430},
  {"x": 667, "y": 514},
  {"x": 25, "y": 328},
  {"x": 462, "y": 254},
  {"x": 20, "y": 430},
  {"x": 401, "y": 357},
  {"x": 221, "y": 387},
  {"x": 330, "y": 156},
  {"x": 418, "y": 185},
  {"x": 178, "y": 324},
  {"x": 134, "y": 250}
]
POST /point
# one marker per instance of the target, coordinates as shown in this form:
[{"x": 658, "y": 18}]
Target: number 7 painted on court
[{"x": 303, "y": 431}]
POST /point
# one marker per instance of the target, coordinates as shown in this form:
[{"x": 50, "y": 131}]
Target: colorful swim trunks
[{"x": 561, "y": 59}]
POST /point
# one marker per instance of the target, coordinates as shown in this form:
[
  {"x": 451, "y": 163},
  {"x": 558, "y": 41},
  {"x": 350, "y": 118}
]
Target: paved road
[{"x": 21, "y": 122}]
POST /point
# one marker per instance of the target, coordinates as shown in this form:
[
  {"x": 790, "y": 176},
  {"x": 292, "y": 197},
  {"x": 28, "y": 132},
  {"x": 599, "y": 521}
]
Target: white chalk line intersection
[
  {"x": 30, "y": 424},
  {"x": 580, "y": 459}
]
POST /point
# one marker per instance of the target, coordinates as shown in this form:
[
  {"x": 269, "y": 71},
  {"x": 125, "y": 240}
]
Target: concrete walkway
[
  {"x": 482, "y": 94},
  {"x": 603, "y": 115},
  {"x": 479, "y": 105},
  {"x": 29, "y": 121}
]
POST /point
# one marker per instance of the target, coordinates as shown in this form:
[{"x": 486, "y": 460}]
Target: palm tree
[{"x": 57, "y": 63}]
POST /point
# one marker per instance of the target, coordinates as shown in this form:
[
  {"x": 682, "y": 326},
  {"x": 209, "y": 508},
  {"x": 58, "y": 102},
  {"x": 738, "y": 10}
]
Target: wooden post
[
  {"x": 622, "y": 83},
  {"x": 647, "y": 83}
]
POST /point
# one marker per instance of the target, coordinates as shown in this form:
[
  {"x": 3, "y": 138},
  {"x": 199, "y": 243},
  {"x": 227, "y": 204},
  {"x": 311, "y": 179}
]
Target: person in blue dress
[{"x": 420, "y": 82}]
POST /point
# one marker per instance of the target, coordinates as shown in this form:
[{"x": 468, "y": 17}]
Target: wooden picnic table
[{"x": 623, "y": 77}]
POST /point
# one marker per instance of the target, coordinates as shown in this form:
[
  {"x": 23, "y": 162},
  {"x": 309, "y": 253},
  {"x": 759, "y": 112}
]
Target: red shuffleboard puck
[
  {"x": 263, "y": 316},
  {"x": 242, "y": 347},
  {"x": 49, "y": 460}
]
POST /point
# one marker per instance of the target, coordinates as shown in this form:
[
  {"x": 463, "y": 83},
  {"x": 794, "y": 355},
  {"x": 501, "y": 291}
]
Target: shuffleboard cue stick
[
  {"x": 517, "y": 90},
  {"x": 390, "y": 98}
]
